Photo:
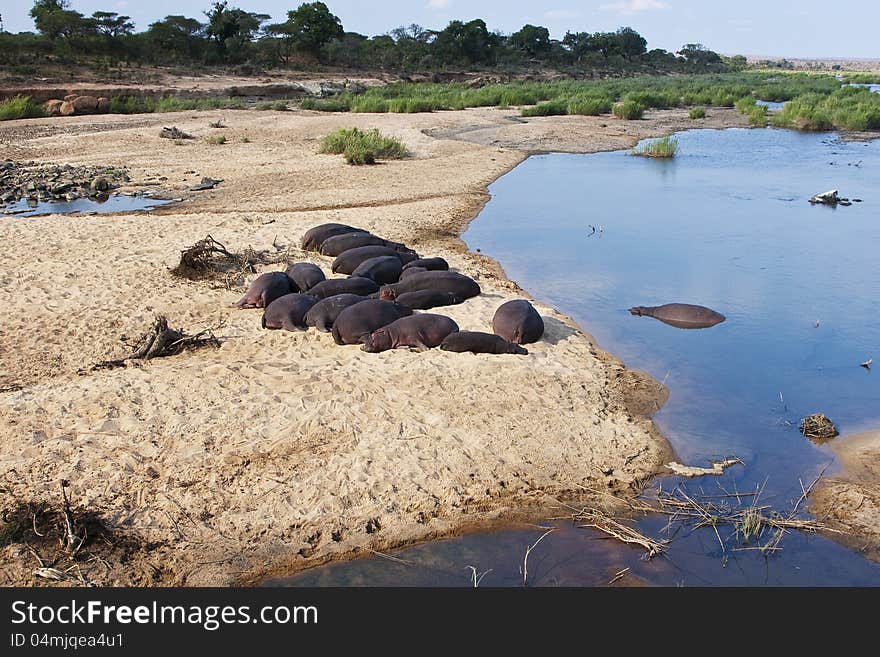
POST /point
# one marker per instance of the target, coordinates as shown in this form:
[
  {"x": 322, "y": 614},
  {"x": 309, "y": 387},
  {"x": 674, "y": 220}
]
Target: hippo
[
  {"x": 421, "y": 332},
  {"x": 441, "y": 281},
  {"x": 313, "y": 238},
  {"x": 409, "y": 271},
  {"x": 334, "y": 286},
  {"x": 480, "y": 343},
  {"x": 382, "y": 270},
  {"x": 425, "y": 299},
  {"x": 304, "y": 275},
  {"x": 324, "y": 313},
  {"x": 355, "y": 323},
  {"x": 288, "y": 312},
  {"x": 337, "y": 244},
  {"x": 431, "y": 264},
  {"x": 681, "y": 315},
  {"x": 265, "y": 289},
  {"x": 517, "y": 321},
  {"x": 347, "y": 261}
]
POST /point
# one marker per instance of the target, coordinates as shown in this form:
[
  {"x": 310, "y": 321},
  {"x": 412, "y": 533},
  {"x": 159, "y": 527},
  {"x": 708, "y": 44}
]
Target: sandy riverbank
[
  {"x": 850, "y": 500},
  {"x": 280, "y": 450}
]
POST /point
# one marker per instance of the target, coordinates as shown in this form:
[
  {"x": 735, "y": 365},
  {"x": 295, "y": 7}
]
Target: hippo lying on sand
[
  {"x": 304, "y": 275},
  {"x": 441, "y": 281},
  {"x": 324, "y": 313},
  {"x": 288, "y": 312},
  {"x": 681, "y": 315},
  {"x": 347, "y": 261},
  {"x": 425, "y": 299},
  {"x": 314, "y": 237},
  {"x": 333, "y": 246},
  {"x": 265, "y": 289},
  {"x": 382, "y": 270},
  {"x": 421, "y": 332},
  {"x": 355, "y": 324},
  {"x": 480, "y": 343},
  {"x": 517, "y": 321},
  {"x": 431, "y": 264},
  {"x": 333, "y": 286},
  {"x": 409, "y": 271}
]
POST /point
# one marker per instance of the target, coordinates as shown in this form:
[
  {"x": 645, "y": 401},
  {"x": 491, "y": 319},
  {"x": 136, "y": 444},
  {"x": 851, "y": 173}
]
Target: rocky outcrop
[{"x": 74, "y": 104}]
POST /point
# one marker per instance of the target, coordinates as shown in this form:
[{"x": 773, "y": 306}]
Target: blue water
[
  {"x": 113, "y": 204},
  {"x": 771, "y": 105},
  {"x": 725, "y": 224}
]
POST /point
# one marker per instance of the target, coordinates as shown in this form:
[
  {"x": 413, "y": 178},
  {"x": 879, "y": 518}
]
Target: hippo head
[
  {"x": 637, "y": 310},
  {"x": 518, "y": 350},
  {"x": 378, "y": 340},
  {"x": 387, "y": 293}
]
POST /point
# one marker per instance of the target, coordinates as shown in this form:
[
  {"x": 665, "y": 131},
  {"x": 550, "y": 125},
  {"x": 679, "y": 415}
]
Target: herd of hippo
[{"x": 375, "y": 304}]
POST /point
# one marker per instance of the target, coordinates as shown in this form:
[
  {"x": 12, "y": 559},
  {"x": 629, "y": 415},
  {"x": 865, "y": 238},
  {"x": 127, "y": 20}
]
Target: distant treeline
[{"x": 313, "y": 35}]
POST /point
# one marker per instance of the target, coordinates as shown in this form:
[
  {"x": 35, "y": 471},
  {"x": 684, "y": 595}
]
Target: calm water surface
[
  {"x": 725, "y": 224},
  {"x": 83, "y": 205}
]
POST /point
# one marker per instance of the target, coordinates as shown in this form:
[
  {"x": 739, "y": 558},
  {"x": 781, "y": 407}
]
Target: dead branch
[{"x": 525, "y": 568}]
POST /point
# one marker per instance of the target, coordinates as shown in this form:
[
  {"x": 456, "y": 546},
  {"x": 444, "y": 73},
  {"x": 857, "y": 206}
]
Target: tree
[
  {"x": 308, "y": 27},
  {"x": 699, "y": 55},
  {"x": 176, "y": 37},
  {"x": 533, "y": 40},
  {"x": 54, "y": 19},
  {"x": 112, "y": 24},
  {"x": 466, "y": 43},
  {"x": 631, "y": 43}
]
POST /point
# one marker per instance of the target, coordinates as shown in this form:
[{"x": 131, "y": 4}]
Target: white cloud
[
  {"x": 556, "y": 14},
  {"x": 438, "y": 4},
  {"x": 634, "y": 6}
]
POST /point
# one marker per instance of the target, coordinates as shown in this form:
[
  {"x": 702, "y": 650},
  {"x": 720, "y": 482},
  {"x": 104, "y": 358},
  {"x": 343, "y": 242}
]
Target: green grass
[
  {"x": 362, "y": 146},
  {"x": 697, "y": 113},
  {"x": 589, "y": 105},
  {"x": 662, "y": 148},
  {"x": 628, "y": 109},
  {"x": 147, "y": 105},
  {"x": 275, "y": 106},
  {"x": 848, "y": 108},
  {"x": 547, "y": 108},
  {"x": 336, "y": 104},
  {"x": 216, "y": 140},
  {"x": 20, "y": 107}
]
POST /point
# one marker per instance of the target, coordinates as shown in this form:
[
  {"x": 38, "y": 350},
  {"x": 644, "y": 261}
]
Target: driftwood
[
  {"x": 175, "y": 133},
  {"x": 208, "y": 258},
  {"x": 161, "y": 341},
  {"x": 818, "y": 427}
]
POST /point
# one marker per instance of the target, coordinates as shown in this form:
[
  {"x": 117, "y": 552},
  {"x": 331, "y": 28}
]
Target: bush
[
  {"x": 362, "y": 146},
  {"x": 697, "y": 113},
  {"x": 20, "y": 107},
  {"x": 628, "y": 109},
  {"x": 369, "y": 105},
  {"x": 216, "y": 140},
  {"x": 587, "y": 106},
  {"x": 337, "y": 104},
  {"x": 662, "y": 148},
  {"x": 549, "y": 108}
]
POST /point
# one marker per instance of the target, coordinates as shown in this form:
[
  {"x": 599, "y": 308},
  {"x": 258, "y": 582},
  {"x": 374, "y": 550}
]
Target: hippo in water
[
  {"x": 431, "y": 264},
  {"x": 517, "y": 321},
  {"x": 421, "y": 332},
  {"x": 313, "y": 238},
  {"x": 288, "y": 312},
  {"x": 382, "y": 270},
  {"x": 304, "y": 275},
  {"x": 333, "y": 246},
  {"x": 355, "y": 324},
  {"x": 480, "y": 343},
  {"x": 334, "y": 286},
  {"x": 265, "y": 289},
  {"x": 347, "y": 261},
  {"x": 441, "y": 281},
  {"x": 680, "y": 315},
  {"x": 425, "y": 299},
  {"x": 324, "y": 313}
]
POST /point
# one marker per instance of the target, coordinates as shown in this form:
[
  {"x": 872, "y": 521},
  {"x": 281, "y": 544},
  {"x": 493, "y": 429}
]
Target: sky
[{"x": 808, "y": 28}]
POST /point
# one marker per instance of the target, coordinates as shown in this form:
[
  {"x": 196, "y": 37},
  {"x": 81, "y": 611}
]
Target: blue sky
[{"x": 846, "y": 28}]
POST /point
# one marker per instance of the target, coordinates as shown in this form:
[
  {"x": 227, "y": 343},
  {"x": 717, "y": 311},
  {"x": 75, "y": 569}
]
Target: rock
[
  {"x": 207, "y": 183},
  {"x": 66, "y": 108},
  {"x": 103, "y": 105},
  {"x": 85, "y": 105},
  {"x": 826, "y": 198},
  {"x": 100, "y": 184},
  {"x": 70, "y": 97},
  {"x": 53, "y": 107},
  {"x": 818, "y": 427},
  {"x": 174, "y": 133}
]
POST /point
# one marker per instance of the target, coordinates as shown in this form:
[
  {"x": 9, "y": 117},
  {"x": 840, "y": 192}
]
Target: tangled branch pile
[
  {"x": 818, "y": 427},
  {"x": 208, "y": 258}
]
